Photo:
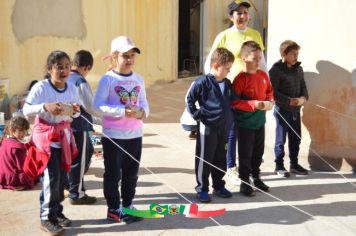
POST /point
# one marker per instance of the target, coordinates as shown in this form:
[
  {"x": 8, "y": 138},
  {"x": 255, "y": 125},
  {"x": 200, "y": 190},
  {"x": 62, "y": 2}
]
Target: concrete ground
[{"x": 322, "y": 203}]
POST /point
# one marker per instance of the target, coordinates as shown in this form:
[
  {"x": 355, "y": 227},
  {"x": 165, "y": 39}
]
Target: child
[
  {"x": 189, "y": 124},
  {"x": 252, "y": 95},
  {"x": 187, "y": 121},
  {"x": 212, "y": 91},
  {"x": 82, "y": 64},
  {"x": 291, "y": 93},
  {"x": 232, "y": 39},
  {"x": 12, "y": 156},
  {"x": 121, "y": 97},
  {"x": 54, "y": 102}
]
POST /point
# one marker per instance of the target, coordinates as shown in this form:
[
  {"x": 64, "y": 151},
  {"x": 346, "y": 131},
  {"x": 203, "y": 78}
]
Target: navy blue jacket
[
  {"x": 214, "y": 107},
  {"x": 79, "y": 124}
]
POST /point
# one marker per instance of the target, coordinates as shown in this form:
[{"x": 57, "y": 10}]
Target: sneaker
[
  {"x": 63, "y": 221},
  {"x": 114, "y": 215},
  {"x": 260, "y": 185},
  {"x": 85, "y": 200},
  {"x": 298, "y": 169},
  {"x": 281, "y": 171},
  {"x": 233, "y": 175},
  {"x": 223, "y": 192},
  {"x": 128, "y": 219},
  {"x": 51, "y": 227},
  {"x": 203, "y": 197},
  {"x": 247, "y": 190},
  {"x": 193, "y": 135}
]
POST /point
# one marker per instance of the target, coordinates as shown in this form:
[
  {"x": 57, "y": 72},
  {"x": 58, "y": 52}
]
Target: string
[
  {"x": 317, "y": 154},
  {"x": 157, "y": 176}
]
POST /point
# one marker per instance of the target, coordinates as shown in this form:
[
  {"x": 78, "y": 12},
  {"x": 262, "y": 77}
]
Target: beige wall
[
  {"x": 30, "y": 29},
  {"x": 325, "y": 31}
]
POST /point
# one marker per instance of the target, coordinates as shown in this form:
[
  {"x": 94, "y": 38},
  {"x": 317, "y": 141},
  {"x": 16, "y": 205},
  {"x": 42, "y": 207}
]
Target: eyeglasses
[{"x": 62, "y": 67}]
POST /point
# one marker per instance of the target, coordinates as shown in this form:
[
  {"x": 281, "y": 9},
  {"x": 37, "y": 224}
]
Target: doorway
[{"x": 189, "y": 38}]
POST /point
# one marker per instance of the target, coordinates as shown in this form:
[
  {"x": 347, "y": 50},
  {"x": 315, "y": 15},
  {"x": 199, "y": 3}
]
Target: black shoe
[
  {"x": 298, "y": 169},
  {"x": 85, "y": 200},
  {"x": 193, "y": 134},
  {"x": 63, "y": 221},
  {"x": 260, "y": 185},
  {"x": 247, "y": 190},
  {"x": 51, "y": 227}
]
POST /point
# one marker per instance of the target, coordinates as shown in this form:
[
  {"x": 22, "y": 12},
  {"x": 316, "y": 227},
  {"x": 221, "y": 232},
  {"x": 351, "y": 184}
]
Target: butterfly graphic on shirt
[{"x": 127, "y": 97}]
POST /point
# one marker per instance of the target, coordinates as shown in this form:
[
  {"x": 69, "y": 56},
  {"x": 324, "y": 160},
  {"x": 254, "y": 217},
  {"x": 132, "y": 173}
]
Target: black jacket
[
  {"x": 287, "y": 83},
  {"x": 214, "y": 107}
]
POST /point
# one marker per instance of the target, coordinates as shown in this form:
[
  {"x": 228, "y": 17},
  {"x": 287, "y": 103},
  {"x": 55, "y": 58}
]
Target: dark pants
[
  {"x": 282, "y": 129},
  {"x": 80, "y": 165},
  {"x": 120, "y": 166},
  {"x": 231, "y": 145},
  {"x": 211, "y": 147},
  {"x": 52, "y": 193},
  {"x": 251, "y": 144}
]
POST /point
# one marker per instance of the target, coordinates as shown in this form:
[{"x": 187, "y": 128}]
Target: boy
[
  {"x": 232, "y": 39},
  {"x": 82, "y": 64},
  {"x": 252, "y": 95},
  {"x": 291, "y": 93},
  {"x": 212, "y": 92}
]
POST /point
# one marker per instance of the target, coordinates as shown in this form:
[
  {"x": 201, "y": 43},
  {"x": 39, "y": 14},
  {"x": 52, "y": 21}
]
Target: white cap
[{"x": 123, "y": 44}]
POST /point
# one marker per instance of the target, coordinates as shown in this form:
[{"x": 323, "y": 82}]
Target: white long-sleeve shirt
[{"x": 114, "y": 92}]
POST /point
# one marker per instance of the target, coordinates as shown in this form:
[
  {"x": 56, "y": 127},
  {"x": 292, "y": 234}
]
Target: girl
[
  {"x": 121, "y": 97},
  {"x": 54, "y": 102},
  {"x": 12, "y": 156}
]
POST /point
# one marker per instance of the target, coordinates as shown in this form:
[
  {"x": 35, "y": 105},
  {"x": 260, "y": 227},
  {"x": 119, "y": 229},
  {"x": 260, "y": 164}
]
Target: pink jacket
[{"x": 44, "y": 133}]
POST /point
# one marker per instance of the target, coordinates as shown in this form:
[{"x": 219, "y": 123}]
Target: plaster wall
[
  {"x": 31, "y": 29},
  {"x": 323, "y": 28}
]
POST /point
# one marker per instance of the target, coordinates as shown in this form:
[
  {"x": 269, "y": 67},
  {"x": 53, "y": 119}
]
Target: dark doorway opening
[{"x": 189, "y": 38}]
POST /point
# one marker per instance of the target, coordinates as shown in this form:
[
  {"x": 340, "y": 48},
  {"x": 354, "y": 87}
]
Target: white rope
[
  {"x": 174, "y": 190},
  {"x": 268, "y": 194},
  {"x": 317, "y": 154},
  {"x": 339, "y": 113},
  {"x": 158, "y": 177}
]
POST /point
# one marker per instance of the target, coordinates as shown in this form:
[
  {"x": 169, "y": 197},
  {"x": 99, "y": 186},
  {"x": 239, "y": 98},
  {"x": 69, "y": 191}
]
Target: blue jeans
[
  {"x": 282, "y": 129},
  {"x": 231, "y": 145}
]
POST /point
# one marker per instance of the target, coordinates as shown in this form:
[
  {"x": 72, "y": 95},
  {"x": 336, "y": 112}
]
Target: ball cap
[
  {"x": 234, "y": 5},
  {"x": 122, "y": 44}
]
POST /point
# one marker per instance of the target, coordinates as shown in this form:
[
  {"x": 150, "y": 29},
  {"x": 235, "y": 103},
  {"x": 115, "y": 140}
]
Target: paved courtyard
[{"x": 322, "y": 203}]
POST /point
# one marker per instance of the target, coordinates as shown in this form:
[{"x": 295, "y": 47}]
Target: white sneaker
[{"x": 233, "y": 175}]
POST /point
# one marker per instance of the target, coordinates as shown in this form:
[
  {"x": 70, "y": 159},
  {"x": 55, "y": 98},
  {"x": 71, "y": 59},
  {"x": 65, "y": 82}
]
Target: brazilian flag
[{"x": 158, "y": 209}]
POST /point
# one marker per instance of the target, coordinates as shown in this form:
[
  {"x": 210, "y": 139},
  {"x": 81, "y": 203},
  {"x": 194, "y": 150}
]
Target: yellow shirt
[{"x": 232, "y": 39}]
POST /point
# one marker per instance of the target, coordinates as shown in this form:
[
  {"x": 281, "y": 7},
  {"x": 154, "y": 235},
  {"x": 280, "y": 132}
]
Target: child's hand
[
  {"x": 268, "y": 105},
  {"x": 76, "y": 107},
  {"x": 294, "y": 102},
  {"x": 259, "y": 105},
  {"x": 54, "y": 108},
  {"x": 137, "y": 112},
  {"x": 297, "y": 101},
  {"x": 128, "y": 111},
  {"x": 301, "y": 101}
]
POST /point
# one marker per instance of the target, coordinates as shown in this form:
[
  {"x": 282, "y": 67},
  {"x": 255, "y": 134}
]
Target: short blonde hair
[
  {"x": 222, "y": 57},
  {"x": 248, "y": 47},
  {"x": 287, "y": 46}
]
